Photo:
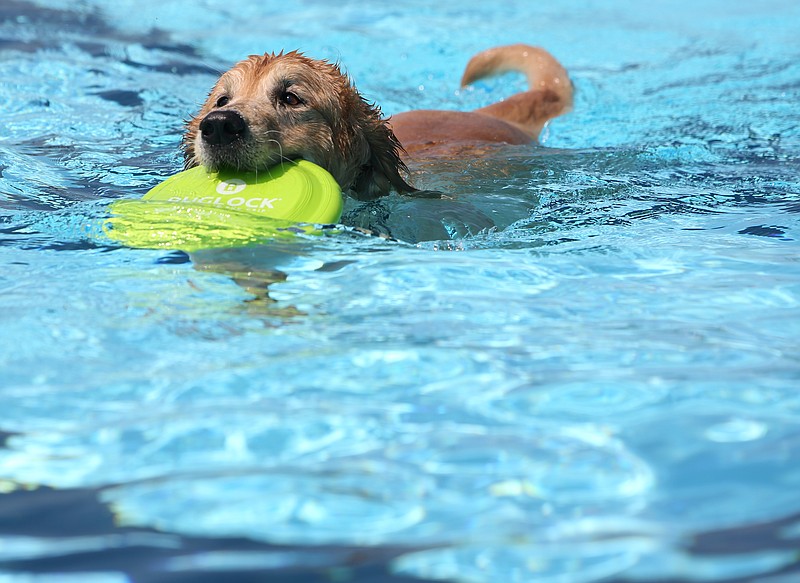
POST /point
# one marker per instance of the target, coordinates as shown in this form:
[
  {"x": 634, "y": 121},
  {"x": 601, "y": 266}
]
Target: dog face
[{"x": 286, "y": 106}]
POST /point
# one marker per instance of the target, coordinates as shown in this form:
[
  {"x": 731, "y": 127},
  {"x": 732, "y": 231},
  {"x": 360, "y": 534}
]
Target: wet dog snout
[{"x": 220, "y": 128}]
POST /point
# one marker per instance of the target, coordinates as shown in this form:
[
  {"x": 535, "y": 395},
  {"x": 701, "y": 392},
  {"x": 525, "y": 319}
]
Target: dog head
[{"x": 287, "y": 106}]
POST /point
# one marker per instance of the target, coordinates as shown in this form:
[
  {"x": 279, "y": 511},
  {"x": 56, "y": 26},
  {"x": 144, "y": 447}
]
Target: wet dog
[{"x": 274, "y": 107}]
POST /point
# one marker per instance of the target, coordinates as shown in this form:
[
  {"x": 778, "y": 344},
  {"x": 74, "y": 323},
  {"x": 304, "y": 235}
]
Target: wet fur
[{"x": 296, "y": 107}]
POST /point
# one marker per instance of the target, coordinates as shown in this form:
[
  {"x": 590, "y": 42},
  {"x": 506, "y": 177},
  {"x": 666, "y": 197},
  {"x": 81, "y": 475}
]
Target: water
[{"x": 582, "y": 366}]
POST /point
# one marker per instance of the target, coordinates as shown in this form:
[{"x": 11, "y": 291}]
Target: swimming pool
[{"x": 582, "y": 367}]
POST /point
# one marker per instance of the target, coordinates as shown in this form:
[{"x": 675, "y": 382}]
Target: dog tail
[{"x": 549, "y": 87}]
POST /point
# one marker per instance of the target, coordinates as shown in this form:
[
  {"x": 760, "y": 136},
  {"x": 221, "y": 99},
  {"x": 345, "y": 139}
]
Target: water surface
[{"x": 579, "y": 366}]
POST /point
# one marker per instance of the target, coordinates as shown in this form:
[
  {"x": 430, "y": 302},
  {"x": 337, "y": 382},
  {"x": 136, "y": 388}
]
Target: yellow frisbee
[{"x": 197, "y": 209}]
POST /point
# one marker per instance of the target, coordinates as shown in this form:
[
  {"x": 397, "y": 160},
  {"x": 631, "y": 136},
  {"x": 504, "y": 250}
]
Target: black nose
[{"x": 223, "y": 127}]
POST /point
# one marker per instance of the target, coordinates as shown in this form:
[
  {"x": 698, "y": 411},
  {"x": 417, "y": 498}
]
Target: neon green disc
[{"x": 196, "y": 209}]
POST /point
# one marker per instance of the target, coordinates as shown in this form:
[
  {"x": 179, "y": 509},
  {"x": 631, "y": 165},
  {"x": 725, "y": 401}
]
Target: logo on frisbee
[{"x": 231, "y": 186}]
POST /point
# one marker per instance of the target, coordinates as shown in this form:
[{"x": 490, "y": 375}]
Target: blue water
[{"x": 582, "y": 365}]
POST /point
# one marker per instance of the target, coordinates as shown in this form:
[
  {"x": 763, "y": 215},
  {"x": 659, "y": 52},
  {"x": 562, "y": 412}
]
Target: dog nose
[{"x": 220, "y": 128}]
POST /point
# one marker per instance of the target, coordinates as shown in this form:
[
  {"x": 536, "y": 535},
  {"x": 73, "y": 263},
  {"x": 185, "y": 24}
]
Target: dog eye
[
  {"x": 289, "y": 98},
  {"x": 223, "y": 101}
]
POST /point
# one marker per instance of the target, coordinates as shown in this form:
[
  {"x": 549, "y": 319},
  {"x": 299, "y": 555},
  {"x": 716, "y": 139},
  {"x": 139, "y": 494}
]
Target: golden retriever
[{"x": 274, "y": 107}]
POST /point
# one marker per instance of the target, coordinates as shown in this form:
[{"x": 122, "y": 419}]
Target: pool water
[{"x": 581, "y": 365}]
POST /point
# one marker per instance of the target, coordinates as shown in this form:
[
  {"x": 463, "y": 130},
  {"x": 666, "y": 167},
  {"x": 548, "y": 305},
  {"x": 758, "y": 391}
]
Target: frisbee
[{"x": 197, "y": 209}]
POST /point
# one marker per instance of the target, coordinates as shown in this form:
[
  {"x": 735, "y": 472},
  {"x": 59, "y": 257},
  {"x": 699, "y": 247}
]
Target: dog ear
[
  {"x": 384, "y": 168},
  {"x": 374, "y": 151}
]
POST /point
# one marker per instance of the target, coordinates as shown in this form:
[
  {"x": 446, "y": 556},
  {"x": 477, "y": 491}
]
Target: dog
[{"x": 286, "y": 106}]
